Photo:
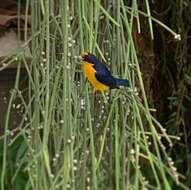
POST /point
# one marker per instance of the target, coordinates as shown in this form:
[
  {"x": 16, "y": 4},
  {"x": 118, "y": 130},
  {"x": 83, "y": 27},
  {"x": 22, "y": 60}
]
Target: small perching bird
[{"x": 98, "y": 74}]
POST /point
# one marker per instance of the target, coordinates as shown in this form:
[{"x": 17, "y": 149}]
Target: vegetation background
[{"x": 71, "y": 138}]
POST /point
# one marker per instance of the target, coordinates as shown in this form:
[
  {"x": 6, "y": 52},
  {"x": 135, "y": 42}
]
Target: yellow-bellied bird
[{"x": 98, "y": 74}]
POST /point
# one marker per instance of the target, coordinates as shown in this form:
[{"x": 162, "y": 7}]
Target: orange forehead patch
[{"x": 84, "y": 53}]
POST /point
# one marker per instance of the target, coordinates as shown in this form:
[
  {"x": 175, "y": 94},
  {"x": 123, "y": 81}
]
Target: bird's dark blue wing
[
  {"x": 98, "y": 65},
  {"x": 103, "y": 74},
  {"x": 107, "y": 80},
  {"x": 102, "y": 69}
]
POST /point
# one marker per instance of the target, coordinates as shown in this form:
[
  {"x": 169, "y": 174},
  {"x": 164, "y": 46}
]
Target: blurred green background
[{"x": 56, "y": 133}]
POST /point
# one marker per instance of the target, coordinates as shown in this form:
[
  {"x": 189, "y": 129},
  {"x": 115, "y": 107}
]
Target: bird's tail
[{"x": 122, "y": 82}]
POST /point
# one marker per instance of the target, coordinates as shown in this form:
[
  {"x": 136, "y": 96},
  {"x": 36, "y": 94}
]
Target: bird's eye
[{"x": 84, "y": 54}]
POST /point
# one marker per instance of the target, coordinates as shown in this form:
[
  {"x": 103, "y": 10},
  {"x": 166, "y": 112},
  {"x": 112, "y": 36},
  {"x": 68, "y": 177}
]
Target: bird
[{"x": 99, "y": 75}]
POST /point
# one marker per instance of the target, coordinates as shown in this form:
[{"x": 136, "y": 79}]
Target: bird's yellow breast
[{"x": 89, "y": 72}]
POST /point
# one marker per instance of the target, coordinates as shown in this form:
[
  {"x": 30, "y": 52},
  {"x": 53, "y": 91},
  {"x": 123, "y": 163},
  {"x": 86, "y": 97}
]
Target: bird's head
[{"x": 90, "y": 58}]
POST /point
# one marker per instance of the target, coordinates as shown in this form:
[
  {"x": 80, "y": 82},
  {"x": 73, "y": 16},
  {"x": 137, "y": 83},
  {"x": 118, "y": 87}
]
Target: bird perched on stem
[{"x": 98, "y": 74}]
